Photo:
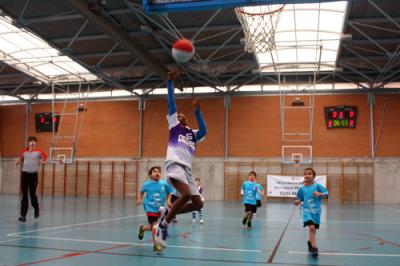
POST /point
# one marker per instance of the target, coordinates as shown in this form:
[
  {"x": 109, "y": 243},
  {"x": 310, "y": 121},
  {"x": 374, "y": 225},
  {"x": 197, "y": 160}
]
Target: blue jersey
[
  {"x": 249, "y": 191},
  {"x": 260, "y": 188},
  {"x": 311, "y": 203},
  {"x": 156, "y": 194}
]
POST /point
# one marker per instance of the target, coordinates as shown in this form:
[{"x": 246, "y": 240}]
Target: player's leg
[
  {"x": 24, "y": 199},
  {"x": 312, "y": 231},
  {"x": 32, "y": 184}
]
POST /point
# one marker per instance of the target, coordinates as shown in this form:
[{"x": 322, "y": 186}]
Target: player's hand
[
  {"x": 196, "y": 103},
  {"x": 173, "y": 74},
  {"x": 297, "y": 202},
  {"x": 317, "y": 194},
  {"x": 17, "y": 162},
  {"x": 138, "y": 202}
]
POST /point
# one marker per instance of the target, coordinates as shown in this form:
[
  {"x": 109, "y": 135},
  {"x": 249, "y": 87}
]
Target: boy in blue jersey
[
  {"x": 178, "y": 164},
  {"x": 249, "y": 192},
  {"x": 310, "y": 195},
  {"x": 154, "y": 194}
]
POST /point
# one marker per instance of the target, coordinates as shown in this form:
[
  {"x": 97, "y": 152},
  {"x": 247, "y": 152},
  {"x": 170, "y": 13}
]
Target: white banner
[{"x": 287, "y": 186}]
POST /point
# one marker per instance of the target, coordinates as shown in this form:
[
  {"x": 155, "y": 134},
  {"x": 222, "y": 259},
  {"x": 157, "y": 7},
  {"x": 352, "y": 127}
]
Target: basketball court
[{"x": 283, "y": 85}]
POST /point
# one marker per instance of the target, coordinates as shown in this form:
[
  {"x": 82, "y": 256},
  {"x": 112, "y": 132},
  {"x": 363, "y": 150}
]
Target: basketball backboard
[{"x": 165, "y": 6}]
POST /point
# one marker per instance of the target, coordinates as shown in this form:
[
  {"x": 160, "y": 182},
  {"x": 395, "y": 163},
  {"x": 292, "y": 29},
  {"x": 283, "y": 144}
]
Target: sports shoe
[
  {"x": 22, "y": 219},
  {"x": 254, "y": 214},
  {"x": 244, "y": 221},
  {"x": 141, "y": 232},
  {"x": 314, "y": 252},
  {"x": 309, "y": 246},
  {"x": 157, "y": 248},
  {"x": 201, "y": 221},
  {"x": 248, "y": 224},
  {"x": 163, "y": 213},
  {"x": 175, "y": 221},
  {"x": 36, "y": 214},
  {"x": 160, "y": 238},
  {"x": 194, "y": 221}
]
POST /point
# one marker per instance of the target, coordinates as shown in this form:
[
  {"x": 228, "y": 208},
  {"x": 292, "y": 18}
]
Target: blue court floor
[{"x": 80, "y": 231}]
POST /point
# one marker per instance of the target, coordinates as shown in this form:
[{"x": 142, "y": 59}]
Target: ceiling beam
[
  {"x": 367, "y": 42},
  {"x": 142, "y": 33},
  {"x": 152, "y": 51},
  {"x": 63, "y": 17},
  {"x": 119, "y": 36},
  {"x": 374, "y": 20}
]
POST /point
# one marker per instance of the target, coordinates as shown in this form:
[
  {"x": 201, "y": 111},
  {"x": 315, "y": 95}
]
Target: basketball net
[{"x": 259, "y": 24}]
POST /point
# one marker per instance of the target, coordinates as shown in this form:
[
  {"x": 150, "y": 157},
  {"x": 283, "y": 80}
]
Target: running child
[
  {"x": 310, "y": 194},
  {"x": 154, "y": 193},
  {"x": 249, "y": 192},
  {"x": 200, "y": 189}
]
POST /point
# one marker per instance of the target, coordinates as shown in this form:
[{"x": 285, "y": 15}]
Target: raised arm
[
  {"x": 171, "y": 97},
  {"x": 200, "y": 120},
  {"x": 171, "y": 76}
]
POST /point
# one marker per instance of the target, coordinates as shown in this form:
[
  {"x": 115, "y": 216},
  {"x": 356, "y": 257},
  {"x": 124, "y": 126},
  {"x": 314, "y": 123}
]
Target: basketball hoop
[
  {"x": 297, "y": 158},
  {"x": 259, "y": 24}
]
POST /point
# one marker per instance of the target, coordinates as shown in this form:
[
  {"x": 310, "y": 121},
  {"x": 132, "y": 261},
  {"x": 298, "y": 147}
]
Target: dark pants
[{"x": 29, "y": 182}]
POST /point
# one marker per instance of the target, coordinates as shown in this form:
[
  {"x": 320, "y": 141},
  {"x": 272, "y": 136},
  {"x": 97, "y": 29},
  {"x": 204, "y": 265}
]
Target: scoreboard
[{"x": 341, "y": 116}]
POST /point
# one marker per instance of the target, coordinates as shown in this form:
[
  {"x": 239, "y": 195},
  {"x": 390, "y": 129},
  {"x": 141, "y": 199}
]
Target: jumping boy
[{"x": 180, "y": 153}]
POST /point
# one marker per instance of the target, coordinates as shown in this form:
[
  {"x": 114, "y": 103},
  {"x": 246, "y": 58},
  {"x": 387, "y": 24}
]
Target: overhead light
[
  {"x": 298, "y": 102},
  {"x": 346, "y": 37},
  {"x": 25, "y": 51}
]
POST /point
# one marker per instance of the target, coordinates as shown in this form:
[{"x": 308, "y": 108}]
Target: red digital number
[
  {"x": 351, "y": 114},
  {"x": 340, "y": 114},
  {"x": 42, "y": 120},
  {"x": 330, "y": 124},
  {"x": 334, "y": 114},
  {"x": 54, "y": 119},
  {"x": 351, "y": 123}
]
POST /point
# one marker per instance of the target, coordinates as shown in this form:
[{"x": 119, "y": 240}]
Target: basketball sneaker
[
  {"x": 314, "y": 252},
  {"x": 244, "y": 221},
  {"x": 161, "y": 234},
  {"x": 141, "y": 232}
]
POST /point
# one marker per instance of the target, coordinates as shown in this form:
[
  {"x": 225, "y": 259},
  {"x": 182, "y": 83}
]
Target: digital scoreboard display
[
  {"x": 44, "y": 122},
  {"x": 341, "y": 116}
]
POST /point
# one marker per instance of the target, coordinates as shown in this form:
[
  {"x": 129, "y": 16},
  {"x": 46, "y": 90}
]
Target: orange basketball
[{"x": 182, "y": 50}]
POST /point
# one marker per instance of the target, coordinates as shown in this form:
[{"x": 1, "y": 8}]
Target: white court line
[
  {"x": 10, "y": 240},
  {"x": 142, "y": 244},
  {"x": 73, "y": 225},
  {"x": 392, "y": 209},
  {"x": 349, "y": 254}
]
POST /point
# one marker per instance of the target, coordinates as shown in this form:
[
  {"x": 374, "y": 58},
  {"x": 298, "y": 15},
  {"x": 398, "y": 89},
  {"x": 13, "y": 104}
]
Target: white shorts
[{"x": 182, "y": 174}]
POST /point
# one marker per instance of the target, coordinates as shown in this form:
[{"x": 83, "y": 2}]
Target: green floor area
[{"x": 81, "y": 231}]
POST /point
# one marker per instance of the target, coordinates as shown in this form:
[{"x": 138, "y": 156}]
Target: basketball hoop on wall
[
  {"x": 297, "y": 158},
  {"x": 259, "y": 24}
]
